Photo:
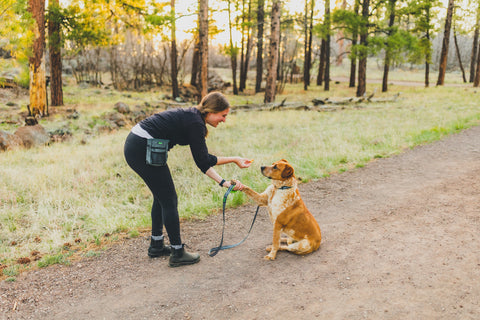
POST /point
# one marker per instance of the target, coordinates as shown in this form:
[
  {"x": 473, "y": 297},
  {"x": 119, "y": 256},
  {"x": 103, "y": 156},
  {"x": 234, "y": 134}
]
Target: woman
[{"x": 183, "y": 127}]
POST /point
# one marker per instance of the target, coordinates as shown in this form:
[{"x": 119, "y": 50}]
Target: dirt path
[{"x": 401, "y": 241}]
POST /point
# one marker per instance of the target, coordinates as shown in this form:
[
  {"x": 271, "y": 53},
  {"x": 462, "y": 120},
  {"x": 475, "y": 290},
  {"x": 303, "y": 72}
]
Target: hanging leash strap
[{"x": 212, "y": 252}]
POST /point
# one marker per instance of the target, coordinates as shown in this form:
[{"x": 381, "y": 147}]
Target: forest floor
[{"x": 401, "y": 240}]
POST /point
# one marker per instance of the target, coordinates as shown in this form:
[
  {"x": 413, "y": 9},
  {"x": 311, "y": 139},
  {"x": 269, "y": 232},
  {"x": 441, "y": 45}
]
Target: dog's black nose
[{"x": 262, "y": 167}]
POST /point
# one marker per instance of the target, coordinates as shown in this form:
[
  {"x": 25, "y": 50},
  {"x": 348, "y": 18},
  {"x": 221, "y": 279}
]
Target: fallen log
[
  {"x": 319, "y": 104},
  {"x": 354, "y": 100}
]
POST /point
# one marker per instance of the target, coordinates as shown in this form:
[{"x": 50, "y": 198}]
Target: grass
[{"x": 76, "y": 193}]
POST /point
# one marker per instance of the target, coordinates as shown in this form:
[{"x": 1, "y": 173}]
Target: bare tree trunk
[
  {"x": 353, "y": 59},
  {"x": 459, "y": 57},
  {"x": 195, "y": 62},
  {"x": 476, "y": 81},
  {"x": 388, "y": 52},
  {"x": 260, "y": 21},
  {"x": 474, "y": 54},
  {"x": 321, "y": 64},
  {"x": 446, "y": 39},
  {"x": 270, "y": 89},
  {"x": 173, "y": 54},
  {"x": 305, "y": 48},
  {"x": 233, "y": 51},
  {"x": 362, "y": 65},
  {"x": 246, "y": 62},
  {"x": 38, "y": 90},
  {"x": 310, "y": 41},
  {"x": 475, "y": 46},
  {"x": 428, "y": 54},
  {"x": 55, "y": 46},
  {"x": 242, "y": 47},
  {"x": 327, "y": 46},
  {"x": 203, "y": 39}
]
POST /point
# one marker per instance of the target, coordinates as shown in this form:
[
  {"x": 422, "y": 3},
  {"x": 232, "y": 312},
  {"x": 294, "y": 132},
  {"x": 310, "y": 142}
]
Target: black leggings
[{"x": 159, "y": 181}]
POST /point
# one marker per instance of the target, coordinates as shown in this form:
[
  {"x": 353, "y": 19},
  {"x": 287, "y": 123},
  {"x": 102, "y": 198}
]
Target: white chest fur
[{"x": 279, "y": 200}]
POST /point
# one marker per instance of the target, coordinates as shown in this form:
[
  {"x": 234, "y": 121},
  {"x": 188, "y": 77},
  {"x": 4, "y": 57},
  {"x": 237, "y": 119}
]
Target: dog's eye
[{"x": 275, "y": 167}]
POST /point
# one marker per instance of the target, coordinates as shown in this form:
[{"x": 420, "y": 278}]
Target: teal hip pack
[{"x": 157, "y": 152}]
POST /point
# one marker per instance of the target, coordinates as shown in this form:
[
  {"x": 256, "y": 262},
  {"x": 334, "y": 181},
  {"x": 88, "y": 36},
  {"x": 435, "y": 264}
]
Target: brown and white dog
[{"x": 287, "y": 211}]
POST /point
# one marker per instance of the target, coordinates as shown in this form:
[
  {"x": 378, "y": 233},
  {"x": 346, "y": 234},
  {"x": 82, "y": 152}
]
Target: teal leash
[{"x": 212, "y": 252}]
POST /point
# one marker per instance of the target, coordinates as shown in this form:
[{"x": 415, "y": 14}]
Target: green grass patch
[{"x": 59, "y": 258}]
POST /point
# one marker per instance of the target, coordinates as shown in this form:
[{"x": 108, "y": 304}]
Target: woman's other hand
[{"x": 238, "y": 184}]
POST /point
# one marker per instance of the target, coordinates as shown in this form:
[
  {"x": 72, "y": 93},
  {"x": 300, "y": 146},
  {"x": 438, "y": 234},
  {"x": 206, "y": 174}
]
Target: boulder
[
  {"x": 118, "y": 119},
  {"x": 122, "y": 107},
  {"x": 9, "y": 141},
  {"x": 32, "y": 136}
]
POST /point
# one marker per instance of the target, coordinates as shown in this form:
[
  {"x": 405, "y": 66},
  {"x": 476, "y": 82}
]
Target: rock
[
  {"x": 118, "y": 119},
  {"x": 9, "y": 141},
  {"x": 32, "y": 136},
  {"x": 122, "y": 107},
  {"x": 60, "y": 135}
]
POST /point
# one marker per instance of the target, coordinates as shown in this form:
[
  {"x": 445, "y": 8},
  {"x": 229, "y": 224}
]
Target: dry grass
[{"x": 57, "y": 194}]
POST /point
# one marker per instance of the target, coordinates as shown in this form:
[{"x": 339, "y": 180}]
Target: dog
[{"x": 287, "y": 211}]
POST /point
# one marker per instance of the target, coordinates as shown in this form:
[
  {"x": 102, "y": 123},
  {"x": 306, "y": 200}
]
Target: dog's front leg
[
  {"x": 277, "y": 231},
  {"x": 260, "y": 198}
]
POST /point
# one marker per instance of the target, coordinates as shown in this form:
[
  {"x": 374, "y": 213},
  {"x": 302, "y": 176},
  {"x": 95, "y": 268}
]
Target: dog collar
[{"x": 284, "y": 188}]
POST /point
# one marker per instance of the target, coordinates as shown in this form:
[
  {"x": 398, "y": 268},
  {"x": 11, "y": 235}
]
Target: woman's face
[{"x": 214, "y": 119}]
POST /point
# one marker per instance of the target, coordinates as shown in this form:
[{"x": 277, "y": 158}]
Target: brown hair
[{"x": 213, "y": 102}]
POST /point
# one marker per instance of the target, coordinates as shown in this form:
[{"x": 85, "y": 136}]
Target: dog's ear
[
  {"x": 287, "y": 172},
  {"x": 284, "y": 160}
]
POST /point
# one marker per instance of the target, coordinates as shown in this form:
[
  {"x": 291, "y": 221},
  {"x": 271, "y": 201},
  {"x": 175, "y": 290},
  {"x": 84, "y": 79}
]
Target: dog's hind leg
[{"x": 300, "y": 247}]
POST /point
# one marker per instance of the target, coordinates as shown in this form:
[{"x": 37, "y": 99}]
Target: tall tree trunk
[
  {"x": 195, "y": 61},
  {"x": 474, "y": 54},
  {"x": 203, "y": 39},
  {"x": 476, "y": 81},
  {"x": 353, "y": 59},
  {"x": 327, "y": 46},
  {"x": 321, "y": 64},
  {"x": 173, "y": 54},
  {"x": 233, "y": 51},
  {"x": 475, "y": 46},
  {"x": 446, "y": 40},
  {"x": 260, "y": 22},
  {"x": 388, "y": 51},
  {"x": 248, "y": 52},
  {"x": 306, "y": 75},
  {"x": 38, "y": 90},
  {"x": 459, "y": 57},
  {"x": 428, "y": 54},
  {"x": 362, "y": 63},
  {"x": 310, "y": 41},
  {"x": 242, "y": 47},
  {"x": 270, "y": 89},
  {"x": 55, "y": 47}
]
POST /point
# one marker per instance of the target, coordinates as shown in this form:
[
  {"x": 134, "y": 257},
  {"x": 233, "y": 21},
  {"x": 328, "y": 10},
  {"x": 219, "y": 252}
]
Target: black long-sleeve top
[{"x": 182, "y": 127}]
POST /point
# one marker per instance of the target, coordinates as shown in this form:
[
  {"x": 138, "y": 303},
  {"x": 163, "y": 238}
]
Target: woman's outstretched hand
[{"x": 243, "y": 162}]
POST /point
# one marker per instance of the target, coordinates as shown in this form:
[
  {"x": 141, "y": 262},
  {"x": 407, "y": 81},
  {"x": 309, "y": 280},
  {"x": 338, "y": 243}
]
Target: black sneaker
[
  {"x": 180, "y": 257},
  {"x": 158, "y": 249}
]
